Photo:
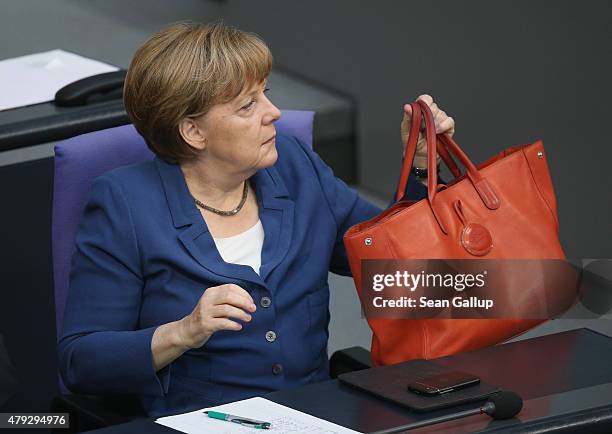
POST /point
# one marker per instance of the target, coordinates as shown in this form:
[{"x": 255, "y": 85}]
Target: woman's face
[{"x": 240, "y": 134}]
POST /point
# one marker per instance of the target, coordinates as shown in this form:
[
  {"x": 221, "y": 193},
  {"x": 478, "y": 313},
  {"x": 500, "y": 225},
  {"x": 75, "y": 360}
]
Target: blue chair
[{"x": 78, "y": 161}]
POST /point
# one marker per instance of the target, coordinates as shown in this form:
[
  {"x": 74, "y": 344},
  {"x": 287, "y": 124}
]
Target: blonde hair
[{"x": 184, "y": 70}]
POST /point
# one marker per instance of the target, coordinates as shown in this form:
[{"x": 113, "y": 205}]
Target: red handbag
[{"x": 503, "y": 209}]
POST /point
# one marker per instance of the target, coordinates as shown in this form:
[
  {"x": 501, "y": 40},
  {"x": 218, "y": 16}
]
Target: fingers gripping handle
[{"x": 410, "y": 152}]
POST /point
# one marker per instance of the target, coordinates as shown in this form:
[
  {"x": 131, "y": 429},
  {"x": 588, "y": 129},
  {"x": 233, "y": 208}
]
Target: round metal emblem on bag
[
  {"x": 368, "y": 241},
  {"x": 476, "y": 239}
]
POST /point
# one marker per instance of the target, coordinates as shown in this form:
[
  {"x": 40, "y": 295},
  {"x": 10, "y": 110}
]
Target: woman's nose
[{"x": 272, "y": 113}]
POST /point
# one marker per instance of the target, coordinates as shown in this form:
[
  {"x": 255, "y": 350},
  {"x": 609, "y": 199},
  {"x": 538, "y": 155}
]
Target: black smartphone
[{"x": 443, "y": 383}]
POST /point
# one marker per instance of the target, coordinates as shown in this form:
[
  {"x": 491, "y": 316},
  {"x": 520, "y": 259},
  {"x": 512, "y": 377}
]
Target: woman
[{"x": 201, "y": 277}]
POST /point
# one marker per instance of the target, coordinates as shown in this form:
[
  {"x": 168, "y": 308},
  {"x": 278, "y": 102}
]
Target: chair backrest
[{"x": 79, "y": 160}]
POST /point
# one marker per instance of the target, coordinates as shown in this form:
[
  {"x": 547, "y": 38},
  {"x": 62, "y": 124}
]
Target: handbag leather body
[{"x": 504, "y": 208}]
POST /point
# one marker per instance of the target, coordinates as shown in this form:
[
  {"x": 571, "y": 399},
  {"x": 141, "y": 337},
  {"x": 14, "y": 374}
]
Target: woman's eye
[
  {"x": 252, "y": 102},
  {"x": 248, "y": 105}
]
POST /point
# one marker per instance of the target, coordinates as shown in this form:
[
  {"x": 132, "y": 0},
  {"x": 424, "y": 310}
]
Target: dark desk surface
[
  {"x": 42, "y": 123},
  {"x": 565, "y": 380}
]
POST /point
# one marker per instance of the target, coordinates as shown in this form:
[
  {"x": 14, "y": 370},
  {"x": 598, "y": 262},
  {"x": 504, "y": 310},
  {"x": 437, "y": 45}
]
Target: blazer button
[
  {"x": 277, "y": 369},
  {"x": 265, "y": 302},
  {"x": 270, "y": 336}
]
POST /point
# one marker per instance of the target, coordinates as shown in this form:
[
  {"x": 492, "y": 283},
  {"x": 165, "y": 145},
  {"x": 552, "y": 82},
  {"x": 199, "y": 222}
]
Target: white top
[{"x": 244, "y": 248}]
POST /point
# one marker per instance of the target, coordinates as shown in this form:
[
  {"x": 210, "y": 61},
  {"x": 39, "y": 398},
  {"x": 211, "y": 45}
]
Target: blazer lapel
[
  {"x": 275, "y": 212},
  {"x": 196, "y": 237}
]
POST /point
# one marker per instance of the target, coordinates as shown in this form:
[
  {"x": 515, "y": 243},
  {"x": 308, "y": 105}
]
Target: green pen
[{"x": 259, "y": 424}]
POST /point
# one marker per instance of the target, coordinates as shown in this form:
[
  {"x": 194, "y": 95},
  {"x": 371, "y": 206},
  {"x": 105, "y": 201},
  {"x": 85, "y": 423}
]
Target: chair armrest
[{"x": 349, "y": 360}]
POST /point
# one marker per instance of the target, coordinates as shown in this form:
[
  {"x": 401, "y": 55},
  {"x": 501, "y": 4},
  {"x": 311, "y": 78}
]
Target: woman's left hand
[{"x": 443, "y": 122}]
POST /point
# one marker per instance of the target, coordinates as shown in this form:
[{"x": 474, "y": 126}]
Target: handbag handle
[
  {"x": 483, "y": 187},
  {"x": 445, "y": 146},
  {"x": 432, "y": 172},
  {"x": 413, "y": 137}
]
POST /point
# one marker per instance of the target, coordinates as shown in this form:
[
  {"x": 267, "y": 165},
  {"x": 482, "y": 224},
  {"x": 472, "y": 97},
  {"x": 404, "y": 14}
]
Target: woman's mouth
[{"x": 270, "y": 140}]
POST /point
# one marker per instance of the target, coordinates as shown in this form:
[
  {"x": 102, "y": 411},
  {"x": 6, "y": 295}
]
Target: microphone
[{"x": 501, "y": 405}]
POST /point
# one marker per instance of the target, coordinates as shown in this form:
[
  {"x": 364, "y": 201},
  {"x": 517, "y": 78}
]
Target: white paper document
[
  {"x": 35, "y": 78},
  {"x": 283, "y": 420}
]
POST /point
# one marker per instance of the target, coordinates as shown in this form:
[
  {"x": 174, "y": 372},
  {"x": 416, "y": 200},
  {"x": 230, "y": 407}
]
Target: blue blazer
[{"x": 144, "y": 256}]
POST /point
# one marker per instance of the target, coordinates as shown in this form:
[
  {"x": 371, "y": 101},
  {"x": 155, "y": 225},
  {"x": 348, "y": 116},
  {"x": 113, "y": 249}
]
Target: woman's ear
[{"x": 192, "y": 133}]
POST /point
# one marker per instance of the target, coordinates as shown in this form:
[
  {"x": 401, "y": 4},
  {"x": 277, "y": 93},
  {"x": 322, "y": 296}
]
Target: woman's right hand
[
  {"x": 216, "y": 310},
  {"x": 444, "y": 125}
]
